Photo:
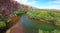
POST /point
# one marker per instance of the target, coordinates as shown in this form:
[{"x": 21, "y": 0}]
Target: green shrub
[
  {"x": 51, "y": 16},
  {"x": 2, "y": 24}
]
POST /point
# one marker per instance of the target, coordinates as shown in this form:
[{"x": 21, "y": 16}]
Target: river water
[{"x": 25, "y": 20}]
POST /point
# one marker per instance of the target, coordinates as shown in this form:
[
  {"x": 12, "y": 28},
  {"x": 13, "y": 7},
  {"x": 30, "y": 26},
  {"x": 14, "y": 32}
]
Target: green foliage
[
  {"x": 2, "y": 18},
  {"x": 2, "y": 24},
  {"x": 45, "y": 27},
  {"x": 2, "y": 21},
  {"x": 9, "y": 24},
  {"x": 32, "y": 14},
  {"x": 20, "y": 12},
  {"x": 51, "y": 16}
]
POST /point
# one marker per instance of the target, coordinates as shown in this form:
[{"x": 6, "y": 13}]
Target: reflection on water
[{"x": 25, "y": 20}]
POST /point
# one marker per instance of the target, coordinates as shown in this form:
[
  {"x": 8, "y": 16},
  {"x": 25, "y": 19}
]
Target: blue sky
[{"x": 43, "y": 4}]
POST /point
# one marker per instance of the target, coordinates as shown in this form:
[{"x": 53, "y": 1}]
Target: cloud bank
[
  {"x": 53, "y": 5},
  {"x": 27, "y": 2},
  {"x": 48, "y": 5}
]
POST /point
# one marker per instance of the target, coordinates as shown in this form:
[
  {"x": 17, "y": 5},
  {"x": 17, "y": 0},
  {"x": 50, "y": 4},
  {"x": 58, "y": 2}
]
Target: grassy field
[{"x": 55, "y": 31}]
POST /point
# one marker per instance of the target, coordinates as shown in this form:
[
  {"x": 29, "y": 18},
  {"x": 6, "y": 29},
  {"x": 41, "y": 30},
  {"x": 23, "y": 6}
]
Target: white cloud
[
  {"x": 26, "y": 2},
  {"x": 49, "y": 5},
  {"x": 54, "y": 2},
  {"x": 52, "y": 5}
]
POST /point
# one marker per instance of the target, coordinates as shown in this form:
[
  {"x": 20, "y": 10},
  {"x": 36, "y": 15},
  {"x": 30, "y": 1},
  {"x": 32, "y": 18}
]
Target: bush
[
  {"x": 2, "y": 24},
  {"x": 50, "y": 16}
]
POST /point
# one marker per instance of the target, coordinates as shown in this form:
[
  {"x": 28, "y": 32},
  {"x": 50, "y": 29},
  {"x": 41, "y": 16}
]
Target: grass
[{"x": 55, "y": 31}]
